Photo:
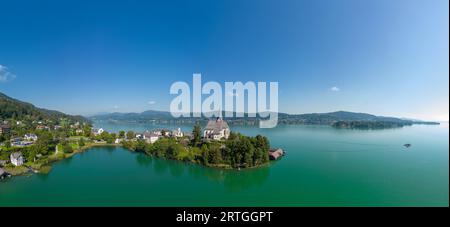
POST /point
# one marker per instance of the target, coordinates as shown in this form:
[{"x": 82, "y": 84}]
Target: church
[{"x": 216, "y": 129}]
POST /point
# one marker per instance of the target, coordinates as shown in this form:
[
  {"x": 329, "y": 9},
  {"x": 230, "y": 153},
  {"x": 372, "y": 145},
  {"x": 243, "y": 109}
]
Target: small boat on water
[{"x": 407, "y": 145}]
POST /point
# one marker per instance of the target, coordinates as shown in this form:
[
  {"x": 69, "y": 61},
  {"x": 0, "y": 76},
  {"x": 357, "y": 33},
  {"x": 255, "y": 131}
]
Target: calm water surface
[{"x": 323, "y": 167}]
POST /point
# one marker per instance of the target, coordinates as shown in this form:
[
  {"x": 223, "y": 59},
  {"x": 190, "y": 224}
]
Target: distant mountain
[
  {"x": 13, "y": 108},
  {"x": 283, "y": 118}
]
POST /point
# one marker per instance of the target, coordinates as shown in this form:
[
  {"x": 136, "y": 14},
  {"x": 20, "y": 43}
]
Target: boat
[{"x": 407, "y": 145}]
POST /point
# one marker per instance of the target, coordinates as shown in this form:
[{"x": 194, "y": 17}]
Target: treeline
[
  {"x": 238, "y": 151},
  {"x": 369, "y": 124},
  {"x": 11, "y": 108}
]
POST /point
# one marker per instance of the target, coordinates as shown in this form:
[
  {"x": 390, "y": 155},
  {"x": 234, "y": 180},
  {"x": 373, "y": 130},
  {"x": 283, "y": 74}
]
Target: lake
[{"x": 323, "y": 167}]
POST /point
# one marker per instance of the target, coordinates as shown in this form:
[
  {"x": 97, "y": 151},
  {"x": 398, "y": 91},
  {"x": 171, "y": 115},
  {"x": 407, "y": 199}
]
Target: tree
[
  {"x": 31, "y": 155},
  {"x": 215, "y": 154},
  {"x": 81, "y": 142},
  {"x": 130, "y": 135},
  {"x": 67, "y": 148},
  {"x": 205, "y": 154},
  {"x": 45, "y": 140},
  {"x": 7, "y": 144},
  {"x": 121, "y": 134},
  {"x": 197, "y": 135},
  {"x": 87, "y": 130}
]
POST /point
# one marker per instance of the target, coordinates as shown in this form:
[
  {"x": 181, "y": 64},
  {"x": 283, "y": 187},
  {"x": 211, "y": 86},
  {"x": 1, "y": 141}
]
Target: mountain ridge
[
  {"x": 283, "y": 118},
  {"x": 15, "y": 108}
]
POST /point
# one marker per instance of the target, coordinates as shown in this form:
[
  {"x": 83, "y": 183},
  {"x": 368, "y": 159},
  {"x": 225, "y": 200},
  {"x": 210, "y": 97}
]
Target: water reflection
[
  {"x": 144, "y": 160},
  {"x": 232, "y": 180}
]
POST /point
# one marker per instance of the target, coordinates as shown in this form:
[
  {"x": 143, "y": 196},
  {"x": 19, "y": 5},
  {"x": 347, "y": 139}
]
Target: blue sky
[{"x": 82, "y": 57}]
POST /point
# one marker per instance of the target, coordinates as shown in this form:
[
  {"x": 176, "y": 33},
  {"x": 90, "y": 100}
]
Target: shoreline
[{"x": 45, "y": 169}]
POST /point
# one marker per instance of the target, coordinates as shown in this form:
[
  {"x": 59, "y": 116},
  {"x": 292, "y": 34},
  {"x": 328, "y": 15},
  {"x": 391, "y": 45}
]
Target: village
[{"x": 69, "y": 139}]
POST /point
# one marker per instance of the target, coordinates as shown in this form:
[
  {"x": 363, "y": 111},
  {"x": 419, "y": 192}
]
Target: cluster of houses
[
  {"x": 215, "y": 130},
  {"x": 27, "y": 140},
  {"x": 153, "y": 136}
]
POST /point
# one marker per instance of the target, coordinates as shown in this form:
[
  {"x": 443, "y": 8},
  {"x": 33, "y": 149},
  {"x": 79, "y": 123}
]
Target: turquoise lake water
[{"x": 323, "y": 167}]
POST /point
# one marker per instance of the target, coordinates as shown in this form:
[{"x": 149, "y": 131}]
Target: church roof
[{"x": 216, "y": 125}]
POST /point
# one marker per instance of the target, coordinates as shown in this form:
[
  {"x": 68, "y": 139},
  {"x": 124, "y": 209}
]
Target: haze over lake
[{"x": 323, "y": 167}]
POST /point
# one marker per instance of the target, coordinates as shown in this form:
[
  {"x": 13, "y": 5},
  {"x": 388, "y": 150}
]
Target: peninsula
[{"x": 32, "y": 138}]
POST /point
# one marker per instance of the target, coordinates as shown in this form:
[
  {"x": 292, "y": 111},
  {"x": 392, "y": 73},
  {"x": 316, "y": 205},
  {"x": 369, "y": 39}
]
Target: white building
[
  {"x": 17, "y": 158},
  {"x": 177, "y": 133},
  {"x": 216, "y": 130},
  {"x": 30, "y": 136},
  {"x": 97, "y": 131},
  {"x": 151, "y": 137}
]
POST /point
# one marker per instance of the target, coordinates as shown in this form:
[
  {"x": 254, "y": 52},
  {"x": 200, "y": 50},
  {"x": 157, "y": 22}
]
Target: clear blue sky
[{"x": 386, "y": 57}]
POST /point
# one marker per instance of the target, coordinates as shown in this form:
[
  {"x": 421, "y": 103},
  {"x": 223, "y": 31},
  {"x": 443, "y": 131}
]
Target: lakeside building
[
  {"x": 17, "y": 158},
  {"x": 276, "y": 154},
  {"x": 150, "y": 137},
  {"x": 216, "y": 129}
]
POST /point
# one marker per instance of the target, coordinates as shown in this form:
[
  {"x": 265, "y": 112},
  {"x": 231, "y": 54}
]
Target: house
[
  {"x": 42, "y": 127},
  {"x": 97, "y": 131},
  {"x": 150, "y": 137},
  {"x": 4, "y": 129},
  {"x": 177, "y": 133},
  {"x": 216, "y": 130},
  {"x": 118, "y": 141},
  {"x": 17, "y": 158},
  {"x": 57, "y": 127},
  {"x": 30, "y": 137},
  {"x": 275, "y": 154},
  {"x": 139, "y": 136},
  {"x": 79, "y": 131}
]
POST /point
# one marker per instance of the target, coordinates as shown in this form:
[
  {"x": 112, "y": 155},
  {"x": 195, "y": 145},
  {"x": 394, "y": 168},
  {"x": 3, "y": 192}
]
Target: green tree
[
  {"x": 81, "y": 142},
  {"x": 44, "y": 142},
  {"x": 215, "y": 154},
  {"x": 87, "y": 130},
  {"x": 7, "y": 144},
  {"x": 205, "y": 154},
  {"x": 130, "y": 135},
  {"x": 196, "y": 135},
  {"x": 67, "y": 148},
  {"x": 121, "y": 134}
]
